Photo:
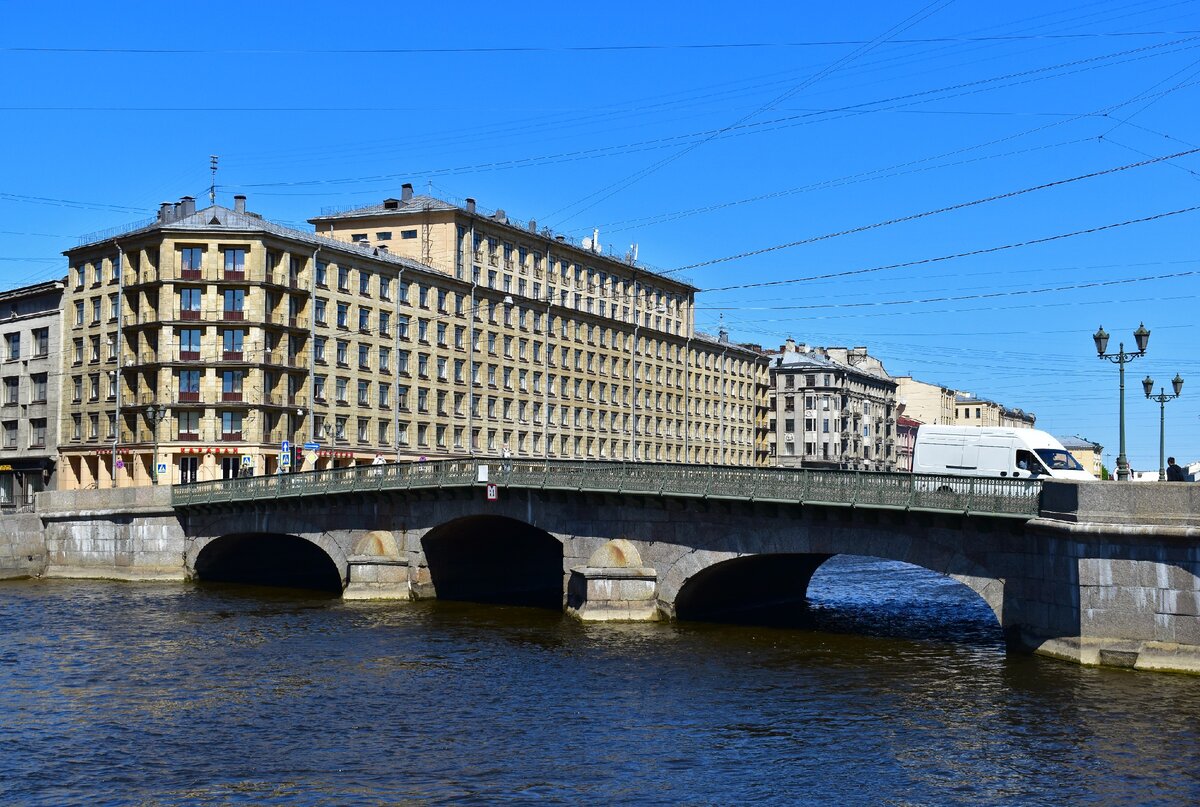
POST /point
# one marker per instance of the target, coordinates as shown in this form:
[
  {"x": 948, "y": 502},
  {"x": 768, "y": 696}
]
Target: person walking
[{"x": 1174, "y": 472}]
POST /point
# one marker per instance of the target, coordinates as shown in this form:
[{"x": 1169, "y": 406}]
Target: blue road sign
[
  {"x": 285, "y": 446},
  {"x": 312, "y": 446}
]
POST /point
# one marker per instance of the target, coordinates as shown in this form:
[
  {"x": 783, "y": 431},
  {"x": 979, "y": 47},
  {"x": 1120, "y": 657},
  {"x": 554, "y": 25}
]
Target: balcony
[
  {"x": 190, "y": 274},
  {"x": 231, "y": 437},
  {"x": 189, "y": 314},
  {"x": 187, "y": 397},
  {"x": 233, "y": 316},
  {"x": 189, "y": 355},
  {"x": 235, "y": 397},
  {"x": 232, "y": 355},
  {"x": 288, "y": 321},
  {"x": 188, "y": 437},
  {"x": 238, "y": 275}
]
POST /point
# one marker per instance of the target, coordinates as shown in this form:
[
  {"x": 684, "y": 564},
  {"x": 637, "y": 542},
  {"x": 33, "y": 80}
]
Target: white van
[{"x": 993, "y": 452}]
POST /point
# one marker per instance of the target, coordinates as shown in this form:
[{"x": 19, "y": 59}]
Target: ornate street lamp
[
  {"x": 155, "y": 414},
  {"x": 1162, "y": 398},
  {"x": 1121, "y": 358}
]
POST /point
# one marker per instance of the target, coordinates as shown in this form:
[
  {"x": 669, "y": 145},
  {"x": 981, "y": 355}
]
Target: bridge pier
[{"x": 614, "y": 586}]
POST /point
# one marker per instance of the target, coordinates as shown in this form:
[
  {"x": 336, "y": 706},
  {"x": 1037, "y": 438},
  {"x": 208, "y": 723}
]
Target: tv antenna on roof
[{"x": 212, "y": 189}]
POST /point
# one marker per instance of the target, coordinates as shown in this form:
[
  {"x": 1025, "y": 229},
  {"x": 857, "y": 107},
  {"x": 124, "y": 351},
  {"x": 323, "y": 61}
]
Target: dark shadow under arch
[
  {"x": 496, "y": 560},
  {"x": 268, "y": 559},
  {"x": 754, "y": 589}
]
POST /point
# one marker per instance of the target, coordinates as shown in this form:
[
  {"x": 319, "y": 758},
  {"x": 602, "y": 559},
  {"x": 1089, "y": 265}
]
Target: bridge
[{"x": 1098, "y": 573}]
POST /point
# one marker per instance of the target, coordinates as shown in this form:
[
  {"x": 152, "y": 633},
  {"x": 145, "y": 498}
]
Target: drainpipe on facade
[
  {"x": 312, "y": 356},
  {"x": 396, "y": 359},
  {"x": 117, "y": 381},
  {"x": 471, "y": 344},
  {"x": 687, "y": 399}
]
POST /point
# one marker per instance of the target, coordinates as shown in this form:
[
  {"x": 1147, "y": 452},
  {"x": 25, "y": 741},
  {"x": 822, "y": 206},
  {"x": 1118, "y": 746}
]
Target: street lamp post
[
  {"x": 1121, "y": 358},
  {"x": 154, "y": 415},
  {"x": 1162, "y": 398}
]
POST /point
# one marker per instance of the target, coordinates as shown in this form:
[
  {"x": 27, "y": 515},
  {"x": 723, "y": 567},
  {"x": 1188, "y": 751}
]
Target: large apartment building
[
  {"x": 924, "y": 402},
  {"x": 832, "y": 408},
  {"x": 206, "y": 339},
  {"x": 29, "y": 385}
]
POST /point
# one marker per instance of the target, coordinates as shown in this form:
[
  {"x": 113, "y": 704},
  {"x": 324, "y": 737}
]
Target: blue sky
[{"x": 698, "y": 135}]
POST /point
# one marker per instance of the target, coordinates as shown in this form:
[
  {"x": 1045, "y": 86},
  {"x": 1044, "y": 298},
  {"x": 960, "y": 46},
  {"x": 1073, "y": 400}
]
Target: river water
[{"x": 897, "y": 690}]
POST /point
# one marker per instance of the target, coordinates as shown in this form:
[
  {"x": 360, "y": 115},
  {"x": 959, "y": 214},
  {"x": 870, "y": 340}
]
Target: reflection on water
[{"x": 903, "y": 693}]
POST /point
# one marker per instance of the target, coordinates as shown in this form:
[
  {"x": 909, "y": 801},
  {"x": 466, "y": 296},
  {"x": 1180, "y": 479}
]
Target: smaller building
[
  {"x": 971, "y": 410},
  {"x": 906, "y": 441},
  {"x": 833, "y": 408},
  {"x": 30, "y": 330},
  {"x": 925, "y": 402},
  {"x": 1087, "y": 453}
]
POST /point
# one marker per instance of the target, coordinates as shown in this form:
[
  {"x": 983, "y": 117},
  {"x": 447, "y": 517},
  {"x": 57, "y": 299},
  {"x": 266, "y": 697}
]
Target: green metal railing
[{"x": 890, "y": 491}]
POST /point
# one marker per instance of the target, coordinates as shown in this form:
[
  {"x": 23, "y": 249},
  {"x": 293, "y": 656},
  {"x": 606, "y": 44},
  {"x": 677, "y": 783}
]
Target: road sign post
[{"x": 493, "y": 493}]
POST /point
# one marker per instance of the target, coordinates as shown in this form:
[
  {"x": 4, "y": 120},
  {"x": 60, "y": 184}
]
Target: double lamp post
[{"x": 1121, "y": 358}]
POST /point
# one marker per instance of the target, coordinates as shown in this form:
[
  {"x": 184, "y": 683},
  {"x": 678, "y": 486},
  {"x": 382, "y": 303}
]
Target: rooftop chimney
[
  {"x": 789, "y": 346},
  {"x": 406, "y": 191},
  {"x": 560, "y": 238},
  {"x": 187, "y": 206},
  {"x": 500, "y": 217},
  {"x": 239, "y": 203},
  {"x": 165, "y": 211},
  {"x": 470, "y": 205},
  {"x": 532, "y": 226}
]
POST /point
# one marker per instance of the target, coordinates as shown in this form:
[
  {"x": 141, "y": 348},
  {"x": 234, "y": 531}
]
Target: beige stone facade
[
  {"x": 240, "y": 334},
  {"x": 971, "y": 410},
  {"x": 925, "y": 403}
]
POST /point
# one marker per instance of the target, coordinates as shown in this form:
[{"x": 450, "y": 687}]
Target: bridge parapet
[{"x": 1016, "y": 498}]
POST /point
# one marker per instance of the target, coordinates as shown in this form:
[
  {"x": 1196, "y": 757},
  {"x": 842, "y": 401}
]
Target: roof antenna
[{"x": 212, "y": 189}]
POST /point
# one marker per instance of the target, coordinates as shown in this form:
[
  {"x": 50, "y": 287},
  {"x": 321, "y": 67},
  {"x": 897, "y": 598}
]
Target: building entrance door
[
  {"x": 188, "y": 468},
  {"x": 231, "y": 467}
]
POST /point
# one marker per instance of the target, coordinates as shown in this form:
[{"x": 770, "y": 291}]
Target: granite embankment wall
[
  {"x": 125, "y": 534},
  {"x": 22, "y": 545}
]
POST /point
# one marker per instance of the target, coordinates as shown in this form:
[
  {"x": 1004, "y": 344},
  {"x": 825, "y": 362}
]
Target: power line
[
  {"x": 1095, "y": 284},
  {"x": 584, "y": 48},
  {"x": 927, "y": 213}
]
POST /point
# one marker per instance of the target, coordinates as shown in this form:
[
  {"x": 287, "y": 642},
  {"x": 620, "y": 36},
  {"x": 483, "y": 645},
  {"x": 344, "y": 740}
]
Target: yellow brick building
[{"x": 217, "y": 335}]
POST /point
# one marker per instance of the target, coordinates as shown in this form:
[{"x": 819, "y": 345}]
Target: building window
[
  {"x": 10, "y": 433},
  {"x": 231, "y": 385},
  {"x": 39, "y": 387},
  {"x": 408, "y": 234},
  {"x": 12, "y": 346},
  {"x": 342, "y": 347},
  {"x": 319, "y": 312},
  {"x": 231, "y": 425},
  {"x": 364, "y": 357},
  {"x": 189, "y": 345},
  {"x": 322, "y": 278},
  {"x": 364, "y": 282},
  {"x": 37, "y": 433},
  {"x": 188, "y": 425},
  {"x": 189, "y": 386},
  {"x": 189, "y": 303},
  {"x": 41, "y": 342},
  {"x": 235, "y": 264},
  {"x": 319, "y": 350},
  {"x": 344, "y": 278},
  {"x": 190, "y": 262},
  {"x": 12, "y": 391},
  {"x": 343, "y": 315},
  {"x": 232, "y": 343},
  {"x": 364, "y": 319},
  {"x": 235, "y": 303}
]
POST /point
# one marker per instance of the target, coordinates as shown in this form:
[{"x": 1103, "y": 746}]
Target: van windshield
[{"x": 1057, "y": 459}]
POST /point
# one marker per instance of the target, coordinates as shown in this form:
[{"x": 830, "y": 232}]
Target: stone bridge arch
[
  {"x": 270, "y": 558},
  {"x": 494, "y": 558},
  {"x": 765, "y": 564}
]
